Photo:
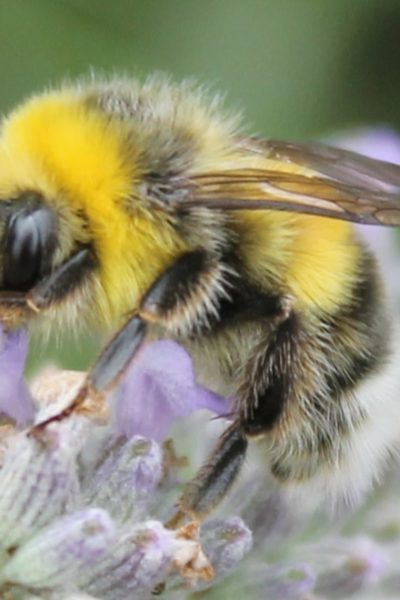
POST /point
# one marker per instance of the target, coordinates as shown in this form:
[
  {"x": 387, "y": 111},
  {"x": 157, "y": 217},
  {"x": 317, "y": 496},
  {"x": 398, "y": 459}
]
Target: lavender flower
[
  {"x": 353, "y": 566},
  {"x": 127, "y": 476},
  {"x": 290, "y": 581},
  {"x": 76, "y": 499},
  {"x": 36, "y": 485},
  {"x": 79, "y": 518},
  {"x": 71, "y": 544},
  {"x": 226, "y": 542}
]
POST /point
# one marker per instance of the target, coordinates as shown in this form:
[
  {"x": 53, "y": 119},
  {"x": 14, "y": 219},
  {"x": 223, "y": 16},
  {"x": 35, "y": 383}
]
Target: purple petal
[
  {"x": 15, "y": 399},
  {"x": 160, "y": 388},
  {"x": 381, "y": 143}
]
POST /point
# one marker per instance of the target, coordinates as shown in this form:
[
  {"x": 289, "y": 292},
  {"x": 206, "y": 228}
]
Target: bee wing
[
  {"x": 336, "y": 164},
  {"x": 312, "y": 179}
]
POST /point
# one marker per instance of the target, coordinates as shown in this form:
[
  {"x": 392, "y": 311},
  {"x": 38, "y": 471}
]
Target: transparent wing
[{"x": 331, "y": 182}]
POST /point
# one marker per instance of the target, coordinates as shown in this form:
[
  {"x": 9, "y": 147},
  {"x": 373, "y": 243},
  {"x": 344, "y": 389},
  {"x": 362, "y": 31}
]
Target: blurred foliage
[{"x": 298, "y": 68}]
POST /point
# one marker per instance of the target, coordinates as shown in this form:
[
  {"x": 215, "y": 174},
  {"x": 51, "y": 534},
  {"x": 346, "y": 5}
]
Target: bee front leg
[
  {"x": 62, "y": 282},
  {"x": 17, "y": 307}
]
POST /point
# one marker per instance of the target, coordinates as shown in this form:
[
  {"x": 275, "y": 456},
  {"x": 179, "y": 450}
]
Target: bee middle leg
[
  {"x": 178, "y": 301},
  {"x": 183, "y": 298}
]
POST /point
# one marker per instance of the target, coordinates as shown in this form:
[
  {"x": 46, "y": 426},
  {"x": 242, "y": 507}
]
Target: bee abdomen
[{"x": 340, "y": 401}]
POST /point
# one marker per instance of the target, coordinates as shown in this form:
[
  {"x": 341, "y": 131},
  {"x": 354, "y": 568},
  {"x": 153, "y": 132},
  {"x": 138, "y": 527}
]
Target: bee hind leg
[{"x": 214, "y": 478}]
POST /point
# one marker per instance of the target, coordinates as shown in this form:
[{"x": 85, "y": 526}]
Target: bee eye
[{"x": 27, "y": 238}]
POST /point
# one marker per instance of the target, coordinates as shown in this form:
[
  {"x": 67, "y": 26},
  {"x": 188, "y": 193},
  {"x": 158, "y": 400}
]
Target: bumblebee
[{"x": 139, "y": 207}]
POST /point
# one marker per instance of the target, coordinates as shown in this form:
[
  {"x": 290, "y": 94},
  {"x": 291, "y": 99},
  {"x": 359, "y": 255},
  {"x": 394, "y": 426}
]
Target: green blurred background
[{"x": 298, "y": 68}]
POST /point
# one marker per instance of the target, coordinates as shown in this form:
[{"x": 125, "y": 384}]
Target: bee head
[{"x": 28, "y": 241}]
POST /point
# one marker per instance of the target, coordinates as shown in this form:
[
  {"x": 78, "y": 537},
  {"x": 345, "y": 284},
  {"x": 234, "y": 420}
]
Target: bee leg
[
  {"x": 164, "y": 304},
  {"x": 62, "y": 281},
  {"x": 265, "y": 388},
  {"x": 275, "y": 368},
  {"x": 17, "y": 306},
  {"x": 214, "y": 478},
  {"x": 117, "y": 355},
  {"x": 111, "y": 363}
]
